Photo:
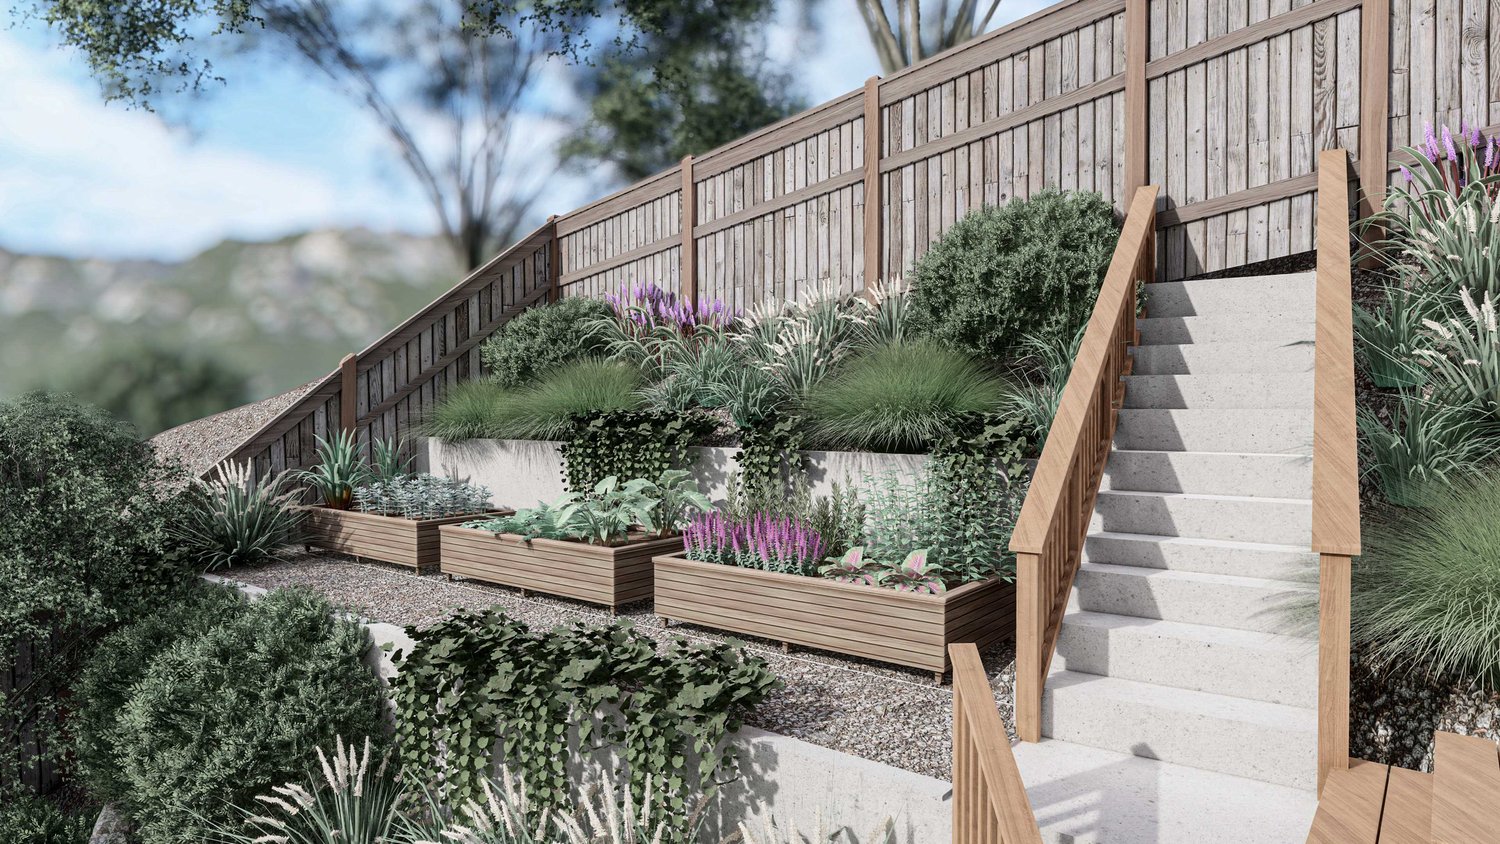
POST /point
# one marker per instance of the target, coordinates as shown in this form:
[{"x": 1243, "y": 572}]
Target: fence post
[
  {"x": 873, "y": 198},
  {"x": 1374, "y": 102},
  {"x": 689, "y": 268},
  {"x": 554, "y": 262},
  {"x": 348, "y": 393},
  {"x": 1137, "y": 101}
]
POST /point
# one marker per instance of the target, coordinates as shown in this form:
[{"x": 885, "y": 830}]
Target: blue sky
[{"x": 271, "y": 153}]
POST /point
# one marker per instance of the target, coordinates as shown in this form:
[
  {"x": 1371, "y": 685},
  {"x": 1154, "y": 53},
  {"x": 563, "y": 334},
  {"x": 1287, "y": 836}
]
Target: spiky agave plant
[
  {"x": 235, "y": 519},
  {"x": 340, "y": 470}
]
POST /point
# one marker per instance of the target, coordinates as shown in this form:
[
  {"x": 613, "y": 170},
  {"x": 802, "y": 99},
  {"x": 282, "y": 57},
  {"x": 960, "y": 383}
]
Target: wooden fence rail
[
  {"x": 1224, "y": 104},
  {"x": 1049, "y": 534},
  {"x": 990, "y": 805},
  {"x": 1335, "y": 504}
]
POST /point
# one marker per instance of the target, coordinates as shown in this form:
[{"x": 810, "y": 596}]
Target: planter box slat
[
  {"x": 865, "y": 621},
  {"x": 593, "y": 573},
  {"x": 898, "y": 615},
  {"x": 389, "y": 539},
  {"x": 778, "y": 609}
]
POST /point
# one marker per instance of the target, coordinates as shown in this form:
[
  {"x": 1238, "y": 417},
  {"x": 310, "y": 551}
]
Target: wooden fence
[
  {"x": 1223, "y": 103},
  {"x": 24, "y": 748}
]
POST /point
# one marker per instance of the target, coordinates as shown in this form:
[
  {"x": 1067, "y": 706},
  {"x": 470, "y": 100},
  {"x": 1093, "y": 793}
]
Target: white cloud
[{"x": 81, "y": 177}]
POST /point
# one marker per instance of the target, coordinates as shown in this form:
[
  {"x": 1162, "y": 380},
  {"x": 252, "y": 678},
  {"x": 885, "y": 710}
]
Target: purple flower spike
[{"x": 1448, "y": 145}]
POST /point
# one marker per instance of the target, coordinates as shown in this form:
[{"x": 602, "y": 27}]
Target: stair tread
[
  {"x": 1199, "y": 577},
  {"x": 1187, "y": 630},
  {"x": 1187, "y": 701},
  {"x": 1253, "y": 499},
  {"x": 1233, "y": 544}
]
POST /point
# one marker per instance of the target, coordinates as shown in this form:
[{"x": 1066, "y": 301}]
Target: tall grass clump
[
  {"x": 235, "y": 520},
  {"x": 1390, "y": 336},
  {"x": 467, "y": 411},
  {"x": 541, "y": 411},
  {"x": 1427, "y": 588},
  {"x": 899, "y": 397},
  {"x": 1046, "y": 365},
  {"x": 1426, "y": 445}
]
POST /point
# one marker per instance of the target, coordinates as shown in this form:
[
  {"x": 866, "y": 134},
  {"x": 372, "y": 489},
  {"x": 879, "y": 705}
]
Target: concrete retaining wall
[
  {"x": 784, "y": 779},
  {"x": 522, "y": 472}
]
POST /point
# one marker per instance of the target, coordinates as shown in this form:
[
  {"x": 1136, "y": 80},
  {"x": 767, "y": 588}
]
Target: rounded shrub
[
  {"x": 118, "y": 662},
  {"x": 1427, "y": 588},
  {"x": 1031, "y": 265},
  {"x": 542, "y": 338},
  {"x": 901, "y": 396},
  {"x": 221, "y": 717}
]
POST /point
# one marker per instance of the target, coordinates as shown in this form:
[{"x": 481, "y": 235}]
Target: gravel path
[
  {"x": 886, "y": 714},
  {"x": 203, "y": 442}
]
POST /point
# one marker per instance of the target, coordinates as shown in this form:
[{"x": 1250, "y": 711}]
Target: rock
[{"x": 111, "y": 828}]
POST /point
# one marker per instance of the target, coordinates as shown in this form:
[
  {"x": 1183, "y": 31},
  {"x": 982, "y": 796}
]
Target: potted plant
[
  {"x": 595, "y": 547},
  {"x": 766, "y": 575},
  {"x": 384, "y": 512}
]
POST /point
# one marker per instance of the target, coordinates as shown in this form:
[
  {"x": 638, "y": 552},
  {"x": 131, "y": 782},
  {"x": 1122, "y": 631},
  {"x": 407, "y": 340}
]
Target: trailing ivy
[
  {"x": 770, "y": 464},
  {"x": 479, "y": 687},
  {"x": 629, "y": 444},
  {"x": 979, "y": 473}
]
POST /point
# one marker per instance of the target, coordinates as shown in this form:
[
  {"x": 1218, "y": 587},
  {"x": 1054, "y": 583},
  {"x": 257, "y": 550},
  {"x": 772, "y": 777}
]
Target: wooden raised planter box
[
  {"x": 593, "y": 573},
  {"x": 389, "y": 539},
  {"x": 866, "y": 621}
]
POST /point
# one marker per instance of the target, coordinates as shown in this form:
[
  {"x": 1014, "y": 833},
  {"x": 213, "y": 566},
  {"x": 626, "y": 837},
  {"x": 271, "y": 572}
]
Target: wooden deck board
[
  {"x": 1349, "y": 811},
  {"x": 1466, "y": 790},
  {"x": 1408, "y": 808}
]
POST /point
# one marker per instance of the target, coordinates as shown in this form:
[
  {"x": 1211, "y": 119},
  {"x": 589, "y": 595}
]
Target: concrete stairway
[{"x": 1186, "y": 639}]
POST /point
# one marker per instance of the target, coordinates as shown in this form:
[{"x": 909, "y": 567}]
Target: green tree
[
  {"x": 693, "y": 77},
  {"x": 154, "y": 386}
]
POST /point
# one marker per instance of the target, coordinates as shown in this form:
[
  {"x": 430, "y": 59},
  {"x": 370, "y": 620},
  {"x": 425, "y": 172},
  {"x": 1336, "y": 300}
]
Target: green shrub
[
  {"x": 1425, "y": 445},
  {"x": 120, "y": 661},
  {"x": 542, "y": 338},
  {"x": 1427, "y": 588},
  {"x": 84, "y": 545},
  {"x": 218, "y": 718},
  {"x": 899, "y": 397},
  {"x": 1031, "y": 265},
  {"x": 32, "y": 820}
]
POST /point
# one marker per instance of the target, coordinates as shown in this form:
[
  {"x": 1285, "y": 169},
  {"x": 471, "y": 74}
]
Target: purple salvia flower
[{"x": 1448, "y": 144}]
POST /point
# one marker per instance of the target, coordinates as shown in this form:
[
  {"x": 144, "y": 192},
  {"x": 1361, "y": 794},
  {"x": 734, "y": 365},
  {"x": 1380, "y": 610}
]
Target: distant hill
[{"x": 283, "y": 311}]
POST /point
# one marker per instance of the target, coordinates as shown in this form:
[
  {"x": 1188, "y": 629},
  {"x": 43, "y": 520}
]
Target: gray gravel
[
  {"x": 203, "y": 442},
  {"x": 883, "y": 713},
  {"x": 1392, "y": 718}
]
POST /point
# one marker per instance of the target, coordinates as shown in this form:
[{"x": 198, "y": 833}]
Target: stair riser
[
  {"x": 1264, "y": 606},
  {"x": 1281, "y": 675},
  {"x": 1221, "y": 358},
  {"x": 1240, "y": 520},
  {"x": 1222, "y": 391},
  {"x": 1251, "y": 328},
  {"x": 1238, "y": 431},
  {"x": 1203, "y": 559},
  {"x": 1267, "y": 296},
  {"x": 1285, "y": 756},
  {"x": 1273, "y": 475}
]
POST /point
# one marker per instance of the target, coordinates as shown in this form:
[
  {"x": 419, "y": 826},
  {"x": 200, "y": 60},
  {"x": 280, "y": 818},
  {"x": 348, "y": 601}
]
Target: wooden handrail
[
  {"x": 1049, "y": 534},
  {"x": 1335, "y": 504},
  {"x": 990, "y": 805}
]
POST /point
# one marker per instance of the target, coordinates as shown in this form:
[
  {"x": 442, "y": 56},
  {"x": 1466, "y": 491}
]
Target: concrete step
[
  {"x": 1214, "y": 358},
  {"x": 1210, "y": 473},
  {"x": 1238, "y": 663},
  {"x": 1258, "y": 327},
  {"x": 1086, "y": 795},
  {"x": 1248, "y": 738},
  {"x": 1242, "y": 390},
  {"x": 1291, "y": 294},
  {"x": 1242, "y": 603},
  {"x": 1241, "y": 430},
  {"x": 1282, "y": 521},
  {"x": 1203, "y": 556}
]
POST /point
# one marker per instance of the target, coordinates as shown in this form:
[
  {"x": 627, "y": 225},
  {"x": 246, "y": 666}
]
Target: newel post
[
  {"x": 873, "y": 198},
  {"x": 1029, "y": 659}
]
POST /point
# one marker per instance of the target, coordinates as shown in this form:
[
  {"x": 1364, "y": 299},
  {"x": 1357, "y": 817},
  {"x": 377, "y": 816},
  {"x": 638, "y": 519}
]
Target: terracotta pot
[{"x": 339, "y": 501}]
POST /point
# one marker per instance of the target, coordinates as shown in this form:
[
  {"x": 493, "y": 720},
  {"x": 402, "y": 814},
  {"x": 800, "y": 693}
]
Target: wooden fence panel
[{"x": 1237, "y": 98}]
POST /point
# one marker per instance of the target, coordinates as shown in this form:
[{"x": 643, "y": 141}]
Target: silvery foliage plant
[{"x": 421, "y": 496}]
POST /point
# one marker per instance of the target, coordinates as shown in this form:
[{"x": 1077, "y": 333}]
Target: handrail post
[
  {"x": 1335, "y": 504},
  {"x": 1029, "y": 659},
  {"x": 873, "y": 198},
  {"x": 348, "y": 393}
]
